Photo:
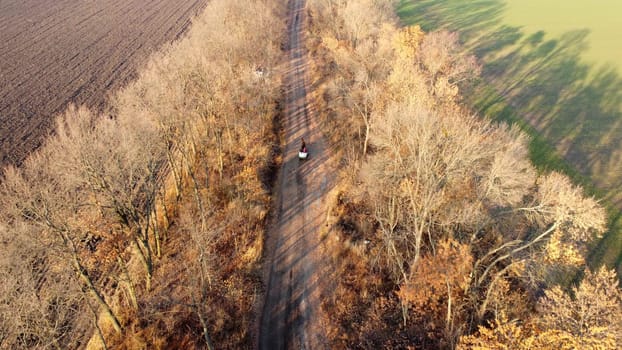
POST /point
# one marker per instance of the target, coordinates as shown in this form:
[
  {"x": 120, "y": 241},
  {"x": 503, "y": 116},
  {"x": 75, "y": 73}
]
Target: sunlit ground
[
  {"x": 555, "y": 17},
  {"x": 554, "y": 68}
]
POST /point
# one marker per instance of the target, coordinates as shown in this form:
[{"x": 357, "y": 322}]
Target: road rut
[{"x": 296, "y": 269}]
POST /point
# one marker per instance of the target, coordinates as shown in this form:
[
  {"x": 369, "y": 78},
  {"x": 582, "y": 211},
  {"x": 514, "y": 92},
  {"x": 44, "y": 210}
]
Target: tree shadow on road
[{"x": 572, "y": 109}]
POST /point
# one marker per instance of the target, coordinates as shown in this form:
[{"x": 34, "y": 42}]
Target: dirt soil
[
  {"x": 79, "y": 51},
  {"x": 296, "y": 270}
]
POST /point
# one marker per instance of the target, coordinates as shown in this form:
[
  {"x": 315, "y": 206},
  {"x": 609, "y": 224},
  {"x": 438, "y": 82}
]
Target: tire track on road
[{"x": 291, "y": 316}]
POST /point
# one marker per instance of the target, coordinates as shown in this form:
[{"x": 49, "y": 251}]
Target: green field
[
  {"x": 555, "y": 17},
  {"x": 552, "y": 67}
]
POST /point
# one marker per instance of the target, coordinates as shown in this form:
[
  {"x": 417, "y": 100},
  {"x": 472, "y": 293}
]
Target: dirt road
[
  {"x": 61, "y": 51},
  {"x": 297, "y": 271}
]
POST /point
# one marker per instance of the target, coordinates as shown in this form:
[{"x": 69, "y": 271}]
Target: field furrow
[{"x": 73, "y": 51}]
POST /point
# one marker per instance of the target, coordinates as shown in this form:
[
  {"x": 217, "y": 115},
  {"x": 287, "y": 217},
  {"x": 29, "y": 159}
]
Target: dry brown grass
[{"x": 363, "y": 307}]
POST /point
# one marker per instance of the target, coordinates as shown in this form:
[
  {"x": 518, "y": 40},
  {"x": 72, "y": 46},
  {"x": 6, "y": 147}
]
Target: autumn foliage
[
  {"x": 142, "y": 228},
  {"x": 588, "y": 317},
  {"x": 442, "y": 224}
]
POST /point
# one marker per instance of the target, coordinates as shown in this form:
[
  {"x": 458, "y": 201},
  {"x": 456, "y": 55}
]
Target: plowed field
[{"x": 53, "y": 53}]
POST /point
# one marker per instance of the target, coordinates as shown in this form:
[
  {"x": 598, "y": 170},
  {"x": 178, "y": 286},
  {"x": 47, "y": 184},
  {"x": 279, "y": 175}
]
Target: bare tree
[
  {"x": 201, "y": 270},
  {"x": 440, "y": 173},
  {"x": 52, "y": 206},
  {"x": 561, "y": 215},
  {"x": 118, "y": 161},
  {"x": 445, "y": 63},
  {"x": 425, "y": 159},
  {"x": 40, "y": 303}
]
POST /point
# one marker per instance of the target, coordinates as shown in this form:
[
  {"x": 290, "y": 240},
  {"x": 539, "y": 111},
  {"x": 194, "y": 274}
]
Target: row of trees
[
  {"x": 465, "y": 230},
  {"x": 116, "y": 225}
]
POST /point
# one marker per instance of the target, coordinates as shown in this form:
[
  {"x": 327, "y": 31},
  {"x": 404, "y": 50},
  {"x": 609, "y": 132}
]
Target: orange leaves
[
  {"x": 593, "y": 310},
  {"x": 407, "y": 41},
  {"x": 556, "y": 252},
  {"x": 512, "y": 335},
  {"x": 330, "y": 43},
  {"x": 438, "y": 277},
  {"x": 590, "y": 318},
  {"x": 502, "y": 335},
  {"x": 451, "y": 195}
]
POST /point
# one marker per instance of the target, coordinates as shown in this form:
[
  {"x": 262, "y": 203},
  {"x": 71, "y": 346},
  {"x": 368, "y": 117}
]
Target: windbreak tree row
[
  {"x": 143, "y": 227},
  {"x": 448, "y": 237}
]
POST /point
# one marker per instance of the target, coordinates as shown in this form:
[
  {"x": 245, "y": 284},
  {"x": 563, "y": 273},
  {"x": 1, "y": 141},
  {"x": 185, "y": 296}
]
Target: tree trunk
[
  {"x": 208, "y": 340},
  {"x": 195, "y": 183},
  {"x": 156, "y": 232},
  {"x": 176, "y": 175},
  {"x": 482, "y": 309},
  {"x": 81, "y": 271},
  {"x": 367, "y": 128},
  {"x": 143, "y": 259},
  {"x": 130, "y": 285},
  {"x": 100, "y": 334},
  {"x": 221, "y": 164}
]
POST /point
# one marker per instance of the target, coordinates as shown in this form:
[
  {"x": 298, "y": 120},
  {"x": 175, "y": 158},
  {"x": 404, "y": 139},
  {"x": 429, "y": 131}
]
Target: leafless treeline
[
  {"x": 463, "y": 227},
  {"x": 116, "y": 220}
]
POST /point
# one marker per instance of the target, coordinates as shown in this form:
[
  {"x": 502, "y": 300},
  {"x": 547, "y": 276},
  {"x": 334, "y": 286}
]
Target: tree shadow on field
[{"x": 572, "y": 109}]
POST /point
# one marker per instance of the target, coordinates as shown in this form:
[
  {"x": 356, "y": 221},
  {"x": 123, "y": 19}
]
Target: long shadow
[
  {"x": 292, "y": 295},
  {"x": 571, "y": 109}
]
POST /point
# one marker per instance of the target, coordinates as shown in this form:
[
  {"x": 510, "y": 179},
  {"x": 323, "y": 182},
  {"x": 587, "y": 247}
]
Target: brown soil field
[{"x": 53, "y": 53}]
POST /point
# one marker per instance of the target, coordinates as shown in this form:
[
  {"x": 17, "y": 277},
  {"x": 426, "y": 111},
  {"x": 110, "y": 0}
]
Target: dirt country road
[{"x": 296, "y": 272}]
